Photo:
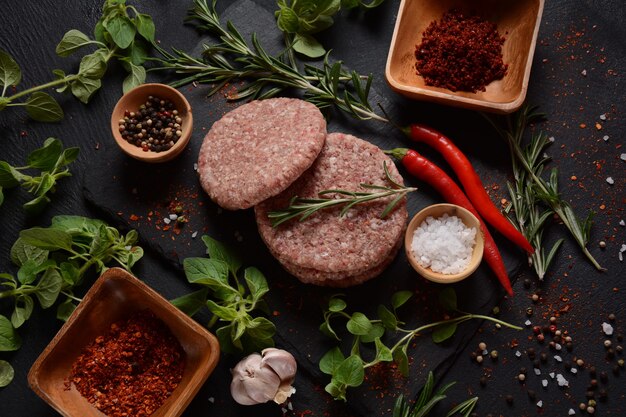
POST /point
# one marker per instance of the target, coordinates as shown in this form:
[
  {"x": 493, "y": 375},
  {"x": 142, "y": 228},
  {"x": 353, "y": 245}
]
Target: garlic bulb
[{"x": 260, "y": 378}]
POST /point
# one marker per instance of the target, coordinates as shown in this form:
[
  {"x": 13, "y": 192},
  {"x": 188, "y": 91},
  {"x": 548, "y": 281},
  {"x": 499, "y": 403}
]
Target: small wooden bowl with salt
[{"x": 444, "y": 221}]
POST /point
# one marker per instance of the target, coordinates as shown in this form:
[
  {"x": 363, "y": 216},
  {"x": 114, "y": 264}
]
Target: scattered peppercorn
[{"x": 509, "y": 399}]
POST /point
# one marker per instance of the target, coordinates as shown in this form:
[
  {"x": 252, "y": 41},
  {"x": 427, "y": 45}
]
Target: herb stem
[
  {"x": 70, "y": 296},
  {"x": 50, "y": 84}
]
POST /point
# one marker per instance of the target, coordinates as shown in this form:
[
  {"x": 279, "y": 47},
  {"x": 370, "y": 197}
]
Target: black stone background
[{"x": 116, "y": 187}]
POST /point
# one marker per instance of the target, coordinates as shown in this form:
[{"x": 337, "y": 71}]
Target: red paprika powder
[
  {"x": 460, "y": 53},
  {"x": 132, "y": 369}
]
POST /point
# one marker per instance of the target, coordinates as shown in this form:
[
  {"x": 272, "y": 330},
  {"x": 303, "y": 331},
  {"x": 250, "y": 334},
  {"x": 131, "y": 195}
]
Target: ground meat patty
[
  {"x": 259, "y": 149},
  {"x": 325, "y": 245}
]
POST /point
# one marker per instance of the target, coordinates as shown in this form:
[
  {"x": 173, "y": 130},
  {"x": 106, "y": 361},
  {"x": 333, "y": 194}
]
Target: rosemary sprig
[
  {"x": 233, "y": 59},
  {"x": 545, "y": 191},
  {"x": 305, "y": 207}
]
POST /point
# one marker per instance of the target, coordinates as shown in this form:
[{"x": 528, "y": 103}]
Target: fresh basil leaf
[
  {"x": 444, "y": 332},
  {"x": 10, "y": 73},
  {"x": 308, "y": 45},
  {"x": 49, "y": 287},
  {"x": 21, "y": 252},
  {"x": 6, "y": 373},
  {"x": 83, "y": 88},
  {"x": 399, "y": 298},
  {"x": 24, "y": 305},
  {"x": 383, "y": 353},
  {"x": 43, "y": 108},
  {"x": 217, "y": 250},
  {"x": 47, "y": 239},
  {"x": 71, "y": 42},
  {"x": 9, "y": 176},
  {"x": 191, "y": 303},
  {"x": 145, "y": 26},
  {"x": 331, "y": 361},
  {"x": 46, "y": 157},
  {"x": 136, "y": 53},
  {"x": 121, "y": 29},
  {"x": 447, "y": 299},
  {"x": 224, "y": 313},
  {"x": 390, "y": 321},
  {"x": 93, "y": 66},
  {"x": 46, "y": 183},
  {"x": 65, "y": 309},
  {"x": 336, "y": 305},
  {"x": 256, "y": 282},
  {"x": 206, "y": 271},
  {"x": 135, "y": 78},
  {"x": 36, "y": 205},
  {"x": 359, "y": 324},
  {"x": 9, "y": 339},
  {"x": 287, "y": 20},
  {"x": 69, "y": 273},
  {"x": 350, "y": 371},
  {"x": 98, "y": 31},
  {"x": 328, "y": 330},
  {"x": 68, "y": 156},
  {"x": 377, "y": 330},
  {"x": 28, "y": 272}
]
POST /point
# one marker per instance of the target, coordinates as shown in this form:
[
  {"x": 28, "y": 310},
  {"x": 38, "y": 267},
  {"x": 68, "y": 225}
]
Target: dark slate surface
[{"x": 574, "y": 36}]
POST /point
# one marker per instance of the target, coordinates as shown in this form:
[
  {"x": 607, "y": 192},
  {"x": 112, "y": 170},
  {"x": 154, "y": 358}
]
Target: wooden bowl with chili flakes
[
  {"x": 131, "y": 102},
  {"x": 517, "y": 21},
  {"x": 116, "y": 296}
]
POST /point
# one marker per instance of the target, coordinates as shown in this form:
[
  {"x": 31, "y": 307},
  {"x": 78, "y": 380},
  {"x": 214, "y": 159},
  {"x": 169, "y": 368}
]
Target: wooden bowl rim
[{"x": 469, "y": 219}]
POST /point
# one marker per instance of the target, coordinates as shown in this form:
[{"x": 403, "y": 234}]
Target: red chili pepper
[
  {"x": 430, "y": 173},
  {"x": 470, "y": 181}
]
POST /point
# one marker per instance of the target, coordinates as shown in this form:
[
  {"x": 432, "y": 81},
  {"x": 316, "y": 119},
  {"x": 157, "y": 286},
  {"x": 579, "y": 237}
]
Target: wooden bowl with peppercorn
[
  {"x": 152, "y": 123},
  {"x": 472, "y": 54},
  {"x": 125, "y": 351}
]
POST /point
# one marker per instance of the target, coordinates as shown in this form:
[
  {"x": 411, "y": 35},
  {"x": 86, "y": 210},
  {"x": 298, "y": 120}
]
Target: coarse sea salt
[
  {"x": 443, "y": 244},
  {"x": 607, "y": 329}
]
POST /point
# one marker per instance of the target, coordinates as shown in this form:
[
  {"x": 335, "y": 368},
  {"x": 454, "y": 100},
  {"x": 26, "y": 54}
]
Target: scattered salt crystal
[
  {"x": 537, "y": 371},
  {"x": 571, "y": 412},
  {"x": 485, "y": 352},
  {"x": 610, "y": 180},
  {"x": 194, "y": 234},
  {"x": 290, "y": 406},
  {"x": 195, "y": 166},
  {"x": 574, "y": 370},
  {"x": 605, "y": 138},
  {"x": 623, "y": 157},
  {"x": 622, "y": 250},
  {"x": 551, "y": 375},
  {"x": 622, "y": 223},
  {"x": 558, "y": 358},
  {"x": 166, "y": 220},
  {"x": 518, "y": 354},
  {"x": 557, "y": 346},
  {"x": 551, "y": 138},
  {"x": 584, "y": 73},
  {"x": 211, "y": 400},
  {"x": 173, "y": 216},
  {"x": 128, "y": 247},
  {"x": 539, "y": 403},
  {"x": 607, "y": 329},
  {"x": 527, "y": 323},
  {"x": 544, "y": 383},
  {"x": 561, "y": 381},
  {"x": 603, "y": 116}
]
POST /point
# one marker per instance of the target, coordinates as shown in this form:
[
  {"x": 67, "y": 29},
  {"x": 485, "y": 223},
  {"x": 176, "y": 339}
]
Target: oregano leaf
[
  {"x": 444, "y": 332},
  {"x": 359, "y": 324},
  {"x": 43, "y": 107},
  {"x": 10, "y": 73},
  {"x": 71, "y": 42}
]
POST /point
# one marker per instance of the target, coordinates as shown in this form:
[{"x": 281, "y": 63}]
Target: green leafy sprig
[
  {"x": 300, "y": 19},
  {"x": 305, "y": 207},
  {"x": 546, "y": 191},
  {"x": 116, "y": 35},
  {"x": 233, "y": 59},
  {"x": 428, "y": 399},
  {"x": 230, "y": 301},
  {"x": 51, "y": 160},
  {"x": 349, "y": 371}
]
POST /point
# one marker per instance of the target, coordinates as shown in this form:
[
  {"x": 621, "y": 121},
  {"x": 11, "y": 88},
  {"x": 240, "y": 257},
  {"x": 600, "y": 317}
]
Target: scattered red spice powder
[
  {"x": 461, "y": 53},
  {"x": 132, "y": 369}
]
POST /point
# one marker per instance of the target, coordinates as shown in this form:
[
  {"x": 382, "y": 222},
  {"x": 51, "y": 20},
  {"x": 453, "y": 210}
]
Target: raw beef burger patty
[
  {"x": 259, "y": 149},
  {"x": 326, "y": 249}
]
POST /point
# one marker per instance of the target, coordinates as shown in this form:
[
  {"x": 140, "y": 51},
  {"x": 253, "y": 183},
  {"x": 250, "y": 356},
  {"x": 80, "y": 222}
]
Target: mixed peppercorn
[{"x": 156, "y": 126}]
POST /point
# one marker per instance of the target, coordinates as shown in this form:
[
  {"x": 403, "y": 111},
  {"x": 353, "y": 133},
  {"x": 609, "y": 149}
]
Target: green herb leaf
[
  {"x": 47, "y": 239},
  {"x": 377, "y": 330},
  {"x": 400, "y": 298},
  {"x": 6, "y": 373},
  {"x": 447, "y": 299},
  {"x": 4, "y": 102},
  {"x": 21, "y": 252},
  {"x": 191, "y": 303},
  {"x": 226, "y": 341},
  {"x": 444, "y": 332},
  {"x": 121, "y": 29},
  {"x": 350, "y": 371},
  {"x": 145, "y": 27},
  {"x": 68, "y": 156},
  {"x": 212, "y": 272},
  {"x": 46, "y": 157},
  {"x": 217, "y": 250},
  {"x": 77, "y": 225},
  {"x": 390, "y": 321},
  {"x": 65, "y": 309},
  {"x": 93, "y": 66},
  {"x": 359, "y": 324},
  {"x": 36, "y": 205},
  {"x": 84, "y": 87},
  {"x": 9, "y": 339},
  {"x": 71, "y": 42},
  {"x": 9, "y": 176},
  {"x": 308, "y": 45},
  {"x": 10, "y": 73},
  {"x": 256, "y": 282},
  {"x": 1, "y": 196},
  {"x": 135, "y": 78},
  {"x": 287, "y": 20},
  {"x": 136, "y": 53},
  {"x": 43, "y": 108},
  {"x": 331, "y": 361},
  {"x": 402, "y": 359},
  {"x": 336, "y": 304},
  {"x": 24, "y": 305},
  {"x": 70, "y": 273},
  {"x": 336, "y": 390},
  {"x": 261, "y": 328},
  {"x": 49, "y": 287},
  {"x": 224, "y": 313},
  {"x": 327, "y": 329},
  {"x": 383, "y": 353},
  {"x": 28, "y": 272}
]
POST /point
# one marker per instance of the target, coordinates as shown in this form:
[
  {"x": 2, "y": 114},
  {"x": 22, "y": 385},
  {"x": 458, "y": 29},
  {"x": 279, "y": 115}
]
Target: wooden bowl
[
  {"x": 436, "y": 211},
  {"x": 517, "y": 20},
  {"x": 131, "y": 102},
  {"x": 113, "y": 296}
]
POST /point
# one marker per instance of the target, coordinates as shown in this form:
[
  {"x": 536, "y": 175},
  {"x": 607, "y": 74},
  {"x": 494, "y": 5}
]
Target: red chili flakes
[
  {"x": 460, "y": 53},
  {"x": 134, "y": 217},
  {"x": 132, "y": 369}
]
